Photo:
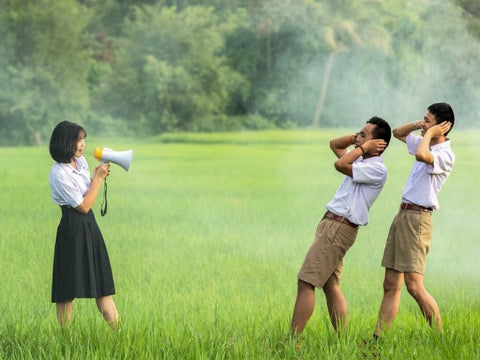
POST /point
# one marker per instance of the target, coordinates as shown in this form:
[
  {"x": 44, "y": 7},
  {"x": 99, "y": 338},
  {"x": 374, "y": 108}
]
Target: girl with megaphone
[{"x": 81, "y": 266}]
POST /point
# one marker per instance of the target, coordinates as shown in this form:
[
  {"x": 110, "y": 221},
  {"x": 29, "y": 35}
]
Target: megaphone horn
[{"x": 121, "y": 158}]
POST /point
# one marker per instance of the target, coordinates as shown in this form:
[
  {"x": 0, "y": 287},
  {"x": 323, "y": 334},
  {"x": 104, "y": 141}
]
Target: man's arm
[
  {"x": 370, "y": 147},
  {"x": 423, "y": 153},
  {"x": 339, "y": 145},
  {"x": 401, "y": 132}
]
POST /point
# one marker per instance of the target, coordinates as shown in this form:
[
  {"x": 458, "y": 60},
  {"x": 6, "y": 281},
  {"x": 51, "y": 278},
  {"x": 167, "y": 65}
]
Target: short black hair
[
  {"x": 63, "y": 142},
  {"x": 442, "y": 112},
  {"x": 381, "y": 131}
]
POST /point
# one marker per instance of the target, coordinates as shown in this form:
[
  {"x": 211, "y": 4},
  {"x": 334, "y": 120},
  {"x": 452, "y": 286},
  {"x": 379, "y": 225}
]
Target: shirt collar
[
  {"x": 443, "y": 145},
  {"x": 69, "y": 167},
  {"x": 373, "y": 159}
]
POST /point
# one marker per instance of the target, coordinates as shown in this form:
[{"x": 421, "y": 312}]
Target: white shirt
[
  {"x": 69, "y": 185},
  {"x": 425, "y": 180},
  {"x": 356, "y": 194}
]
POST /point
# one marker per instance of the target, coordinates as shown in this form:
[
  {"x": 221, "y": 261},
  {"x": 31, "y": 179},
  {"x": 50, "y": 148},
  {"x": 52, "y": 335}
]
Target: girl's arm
[{"x": 101, "y": 172}]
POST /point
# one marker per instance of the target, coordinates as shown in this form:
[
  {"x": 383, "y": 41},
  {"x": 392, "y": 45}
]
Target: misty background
[{"x": 143, "y": 68}]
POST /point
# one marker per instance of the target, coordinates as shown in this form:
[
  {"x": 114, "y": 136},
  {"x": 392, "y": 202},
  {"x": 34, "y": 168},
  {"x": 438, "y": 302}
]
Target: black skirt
[{"x": 81, "y": 267}]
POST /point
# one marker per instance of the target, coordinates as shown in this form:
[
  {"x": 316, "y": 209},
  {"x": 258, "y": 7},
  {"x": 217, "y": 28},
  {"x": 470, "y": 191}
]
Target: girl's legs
[
  {"x": 107, "y": 307},
  {"x": 64, "y": 313}
]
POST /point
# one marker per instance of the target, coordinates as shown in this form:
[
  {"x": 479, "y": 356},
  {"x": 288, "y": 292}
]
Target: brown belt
[
  {"x": 406, "y": 206},
  {"x": 339, "y": 218}
]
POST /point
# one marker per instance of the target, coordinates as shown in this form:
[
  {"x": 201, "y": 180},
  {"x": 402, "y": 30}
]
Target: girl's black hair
[{"x": 63, "y": 142}]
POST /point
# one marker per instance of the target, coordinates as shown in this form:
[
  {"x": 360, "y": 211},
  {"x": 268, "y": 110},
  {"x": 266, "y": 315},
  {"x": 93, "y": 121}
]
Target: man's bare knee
[
  {"x": 414, "y": 286},
  {"x": 392, "y": 283},
  {"x": 413, "y": 290},
  {"x": 302, "y": 285},
  {"x": 332, "y": 285},
  {"x": 390, "y": 286}
]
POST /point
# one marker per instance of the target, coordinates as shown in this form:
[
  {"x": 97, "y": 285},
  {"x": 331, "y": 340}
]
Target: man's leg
[
  {"x": 427, "y": 303},
  {"x": 392, "y": 286},
  {"x": 304, "y": 306},
  {"x": 337, "y": 306}
]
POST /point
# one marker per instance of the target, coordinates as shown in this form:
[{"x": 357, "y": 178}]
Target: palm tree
[{"x": 351, "y": 25}]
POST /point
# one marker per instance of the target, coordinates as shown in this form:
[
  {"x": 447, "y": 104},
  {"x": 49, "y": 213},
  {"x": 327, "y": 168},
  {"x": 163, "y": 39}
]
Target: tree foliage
[
  {"x": 151, "y": 66},
  {"x": 44, "y": 58},
  {"x": 169, "y": 70}
]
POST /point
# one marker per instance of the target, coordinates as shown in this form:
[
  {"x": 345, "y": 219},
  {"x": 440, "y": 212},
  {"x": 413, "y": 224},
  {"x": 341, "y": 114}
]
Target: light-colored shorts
[
  {"x": 408, "y": 241},
  {"x": 325, "y": 256}
]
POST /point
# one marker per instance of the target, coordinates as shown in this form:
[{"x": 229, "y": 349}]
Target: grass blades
[{"x": 206, "y": 233}]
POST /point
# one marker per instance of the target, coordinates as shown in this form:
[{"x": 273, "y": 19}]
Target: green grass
[{"x": 206, "y": 233}]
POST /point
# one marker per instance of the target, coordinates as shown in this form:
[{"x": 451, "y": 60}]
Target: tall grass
[{"x": 206, "y": 234}]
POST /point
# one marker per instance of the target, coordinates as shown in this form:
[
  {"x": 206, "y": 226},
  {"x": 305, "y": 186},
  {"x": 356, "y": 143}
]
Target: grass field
[{"x": 206, "y": 234}]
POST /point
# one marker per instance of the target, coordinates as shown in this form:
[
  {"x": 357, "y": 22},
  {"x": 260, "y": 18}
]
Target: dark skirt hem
[{"x": 64, "y": 298}]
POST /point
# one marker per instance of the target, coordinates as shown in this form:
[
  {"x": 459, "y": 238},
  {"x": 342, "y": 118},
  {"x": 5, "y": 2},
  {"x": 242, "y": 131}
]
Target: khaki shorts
[
  {"x": 325, "y": 256},
  {"x": 408, "y": 241}
]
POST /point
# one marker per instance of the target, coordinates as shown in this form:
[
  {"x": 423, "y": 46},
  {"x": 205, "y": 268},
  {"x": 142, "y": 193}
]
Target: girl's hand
[{"x": 102, "y": 170}]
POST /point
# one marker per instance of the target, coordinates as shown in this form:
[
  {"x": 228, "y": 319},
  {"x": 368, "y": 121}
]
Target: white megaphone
[{"x": 122, "y": 158}]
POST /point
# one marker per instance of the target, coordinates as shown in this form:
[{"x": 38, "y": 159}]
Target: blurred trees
[
  {"x": 350, "y": 25},
  {"x": 150, "y": 66},
  {"x": 169, "y": 71},
  {"x": 271, "y": 49},
  {"x": 45, "y": 62},
  {"x": 472, "y": 15}
]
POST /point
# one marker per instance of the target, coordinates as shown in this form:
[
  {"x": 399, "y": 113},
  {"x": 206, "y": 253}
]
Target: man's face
[
  {"x": 428, "y": 122},
  {"x": 364, "y": 134}
]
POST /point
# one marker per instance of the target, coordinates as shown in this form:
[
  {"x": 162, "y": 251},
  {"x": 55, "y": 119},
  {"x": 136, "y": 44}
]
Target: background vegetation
[
  {"x": 206, "y": 233},
  {"x": 124, "y": 67}
]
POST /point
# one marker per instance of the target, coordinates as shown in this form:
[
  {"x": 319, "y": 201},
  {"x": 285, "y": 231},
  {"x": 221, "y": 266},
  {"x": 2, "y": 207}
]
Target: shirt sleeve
[
  {"x": 368, "y": 172},
  {"x": 413, "y": 141},
  {"x": 442, "y": 162},
  {"x": 64, "y": 190}
]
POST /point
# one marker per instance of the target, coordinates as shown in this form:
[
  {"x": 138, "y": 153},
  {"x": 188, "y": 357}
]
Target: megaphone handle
[{"x": 103, "y": 208}]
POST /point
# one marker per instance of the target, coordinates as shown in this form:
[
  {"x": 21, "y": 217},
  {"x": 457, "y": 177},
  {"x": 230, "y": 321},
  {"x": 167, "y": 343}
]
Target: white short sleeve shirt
[
  {"x": 356, "y": 194},
  {"x": 425, "y": 180},
  {"x": 69, "y": 185}
]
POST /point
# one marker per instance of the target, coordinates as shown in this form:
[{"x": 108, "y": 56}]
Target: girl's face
[{"x": 80, "y": 145}]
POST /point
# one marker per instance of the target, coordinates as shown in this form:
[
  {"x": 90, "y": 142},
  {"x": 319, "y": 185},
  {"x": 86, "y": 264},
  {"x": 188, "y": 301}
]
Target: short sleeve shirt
[
  {"x": 426, "y": 180},
  {"x": 69, "y": 185},
  {"x": 356, "y": 194}
]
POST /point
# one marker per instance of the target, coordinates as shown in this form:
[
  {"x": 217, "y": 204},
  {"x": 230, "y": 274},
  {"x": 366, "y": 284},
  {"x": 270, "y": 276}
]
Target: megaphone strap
[{"x": 103, "y": 208}]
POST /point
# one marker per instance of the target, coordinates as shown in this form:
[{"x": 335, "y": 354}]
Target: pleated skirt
[{"x": 81, "y": 266}]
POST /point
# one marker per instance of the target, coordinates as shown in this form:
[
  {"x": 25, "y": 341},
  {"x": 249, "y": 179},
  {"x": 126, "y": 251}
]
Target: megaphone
[{"x": 122, "y": 158}]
